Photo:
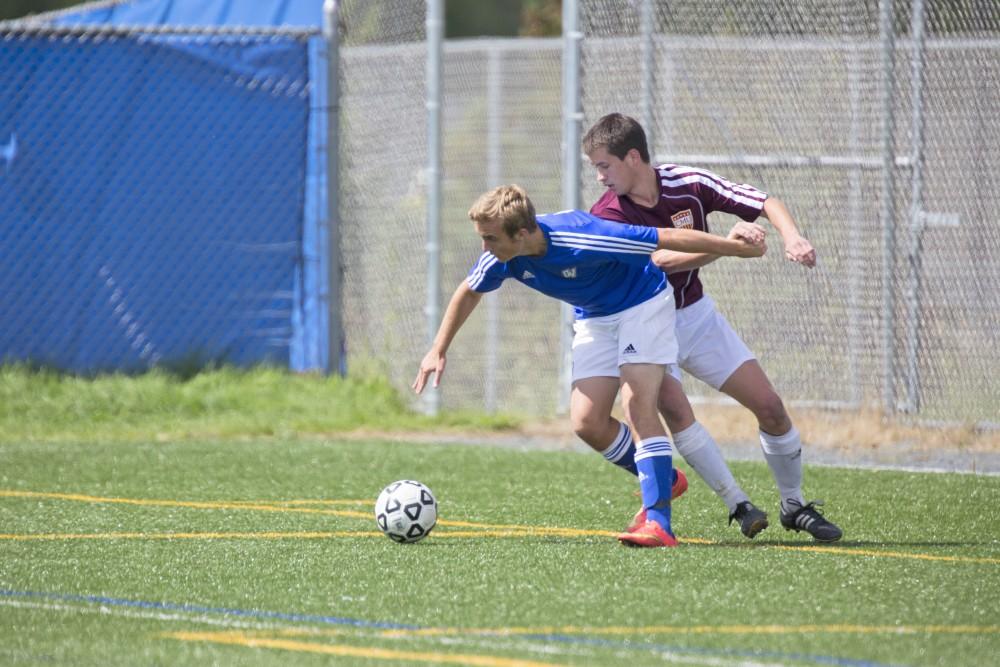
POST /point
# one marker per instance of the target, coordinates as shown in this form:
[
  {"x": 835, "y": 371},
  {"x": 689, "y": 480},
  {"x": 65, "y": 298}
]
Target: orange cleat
[
  {"x": 676, "y": 491},
  {"x": 649, "y": 534}
]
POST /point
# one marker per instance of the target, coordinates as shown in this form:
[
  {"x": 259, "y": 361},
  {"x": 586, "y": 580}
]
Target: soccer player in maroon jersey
[{"x": 675, "y": 196}]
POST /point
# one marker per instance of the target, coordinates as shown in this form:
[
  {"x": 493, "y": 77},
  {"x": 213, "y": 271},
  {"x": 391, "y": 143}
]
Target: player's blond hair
[{"x": 510, "y": 205}]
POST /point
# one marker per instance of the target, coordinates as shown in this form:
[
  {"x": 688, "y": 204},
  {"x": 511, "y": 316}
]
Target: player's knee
[
  {"x": 677, "y": 415},
  {"x": 589, "y": 427},
  {"x": 771, "y": 414}
]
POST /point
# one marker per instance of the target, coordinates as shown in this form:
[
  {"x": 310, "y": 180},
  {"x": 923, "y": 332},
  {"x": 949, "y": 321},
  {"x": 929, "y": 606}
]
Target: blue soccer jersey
[{"x": 598, "y": 267}]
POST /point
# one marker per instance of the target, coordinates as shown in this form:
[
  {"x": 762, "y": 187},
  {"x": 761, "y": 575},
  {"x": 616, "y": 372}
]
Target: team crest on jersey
[
  {"x": 569, "y": 273},
  {"x": 683, "y": 219}
]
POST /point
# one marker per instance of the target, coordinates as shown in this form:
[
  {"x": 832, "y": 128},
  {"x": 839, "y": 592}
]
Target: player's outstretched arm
[
  {"x": 797, "y": 247},
  {"x": 671, "y": 261},
  {"x": 462, "y": 303},
  {"x": 691, "y": 240}
]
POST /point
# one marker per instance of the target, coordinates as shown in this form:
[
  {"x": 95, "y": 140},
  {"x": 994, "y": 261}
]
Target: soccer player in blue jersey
[{"x": 624, "y": 325}]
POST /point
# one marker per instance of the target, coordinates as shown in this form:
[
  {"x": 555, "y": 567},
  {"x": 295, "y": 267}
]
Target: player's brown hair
[
  {"x": 617, "y": 134},
  {"x": 510, "y": 205}
]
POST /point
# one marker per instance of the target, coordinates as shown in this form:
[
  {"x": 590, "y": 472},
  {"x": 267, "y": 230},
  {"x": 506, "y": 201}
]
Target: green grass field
[{"x": 147, "y": 538}]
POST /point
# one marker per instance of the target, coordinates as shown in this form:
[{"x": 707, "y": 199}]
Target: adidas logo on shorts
[{"x": 629, "y": 349}]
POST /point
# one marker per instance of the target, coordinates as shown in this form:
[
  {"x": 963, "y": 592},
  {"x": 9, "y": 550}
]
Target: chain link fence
[
  {"x": 904, "y": 307},
  {"x": 795, "y": 98}
]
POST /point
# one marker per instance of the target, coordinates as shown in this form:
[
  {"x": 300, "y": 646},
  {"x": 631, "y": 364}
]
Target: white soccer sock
[
  {"x": 784, "y": 456},
  {"x": 701, "y": 452},
  {"x": 617, "y": 449}
]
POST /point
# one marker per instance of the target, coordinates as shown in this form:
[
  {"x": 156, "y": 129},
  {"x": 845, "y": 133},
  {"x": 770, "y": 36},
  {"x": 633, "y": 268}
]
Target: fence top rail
[
  {"x": 803, "y": 43},
  {"x": 36, "y": 27},
  {"x": 778, "y": 160}
]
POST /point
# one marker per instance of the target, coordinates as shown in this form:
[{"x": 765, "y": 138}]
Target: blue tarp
[
  {"x": 290, "y": 13},
  {"x": 165, "y": 192}
]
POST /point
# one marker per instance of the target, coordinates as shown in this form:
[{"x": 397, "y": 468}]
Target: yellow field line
[
  {"x": 209, "y": 535},
  {"x": 263, "y": 507},
  {"x": 698, "y": 629},
  {"x": 496, "y": 530},
  {"x": 263, "y": 535},
  {"x": 242, "y": 639},
  {"x": 268, "y": 507},
  {"x": 285, "y": 503},
  {"x": 891, "y": 554},
  {"x": 479, "y": 529}
]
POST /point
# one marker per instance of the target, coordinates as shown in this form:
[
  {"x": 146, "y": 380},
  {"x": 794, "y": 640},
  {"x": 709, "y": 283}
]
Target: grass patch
[
  {"x": 39, "y": 405},
  {"x": 147, "y": 555}
]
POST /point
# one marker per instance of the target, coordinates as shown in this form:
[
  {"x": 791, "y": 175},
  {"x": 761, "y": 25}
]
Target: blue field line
[
  {"x": 245, "y": 613},
  {"x": 382, "y": 625}
]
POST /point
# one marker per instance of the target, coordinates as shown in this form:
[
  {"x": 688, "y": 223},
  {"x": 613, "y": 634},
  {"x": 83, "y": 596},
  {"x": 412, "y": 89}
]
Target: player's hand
[
  {"x": 433, "y": 362},
  {"x": 747, "y": 249},
  {"x": 750, "y": 232},
  {"x": 798, "y": 249}
]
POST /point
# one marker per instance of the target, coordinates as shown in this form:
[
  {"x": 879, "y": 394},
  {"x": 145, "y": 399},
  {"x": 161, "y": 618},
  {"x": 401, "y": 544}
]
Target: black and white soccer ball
[{"x": 406, "y": 511}]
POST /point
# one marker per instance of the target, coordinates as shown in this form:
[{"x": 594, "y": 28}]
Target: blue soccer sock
[
  {"x": 621, "y": 452},
  {"x": 654, "y": 459}
]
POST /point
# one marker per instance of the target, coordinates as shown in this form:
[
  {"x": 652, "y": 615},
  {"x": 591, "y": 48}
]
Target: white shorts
[
  {"x": 710, "y": 349},
  {"x": 642, "y": 334}
]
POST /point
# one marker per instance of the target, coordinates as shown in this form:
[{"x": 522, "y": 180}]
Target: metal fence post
[
  {"x": 887, "y": 212},
  {"x": 917, "y": 219},
  {"x": 435, "y": 38},
  {"x": 336, "y": 358},
  {"x": 648, "y": 64},
  {"x": 494, "y": 113},
  {"x": 854, "y": 229},
  {"x": 572, "y": 117}
]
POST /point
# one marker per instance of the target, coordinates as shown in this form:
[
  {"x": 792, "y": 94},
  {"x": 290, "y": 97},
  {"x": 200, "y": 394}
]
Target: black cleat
[
  {"x": 752, "y": 520},
  {"x": 808, "y": 519}
]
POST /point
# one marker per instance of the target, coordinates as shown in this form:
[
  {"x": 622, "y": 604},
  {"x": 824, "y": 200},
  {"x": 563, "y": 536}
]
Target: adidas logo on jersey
[
  {"x": 527, "y": 275},
  {"x": 569, "y": 273},
  {"x": 629, "y": 349}
]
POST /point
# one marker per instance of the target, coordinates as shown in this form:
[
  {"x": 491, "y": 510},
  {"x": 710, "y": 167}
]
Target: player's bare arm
[
  {"x": 671, "y": 261},
  {"x": 462, "y": 303},
  {"x": 797, "y": 247},
  {"x": 694, "y": 241}
]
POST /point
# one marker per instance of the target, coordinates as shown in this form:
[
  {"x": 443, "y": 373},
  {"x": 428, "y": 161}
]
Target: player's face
[
  {"x": 612, "y": 172},
  {"x": 496, "y": 240}
]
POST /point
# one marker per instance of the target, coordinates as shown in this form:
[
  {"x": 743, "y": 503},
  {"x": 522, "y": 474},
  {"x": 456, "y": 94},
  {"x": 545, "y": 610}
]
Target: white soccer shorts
[
  {"x": 710, "y": 349},
  {"x": 642, "y": 334}
]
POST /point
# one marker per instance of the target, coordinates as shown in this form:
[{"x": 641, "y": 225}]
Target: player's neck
[
  {"x": 646, "y": 191},
  {"x": 536, "y": 245}
]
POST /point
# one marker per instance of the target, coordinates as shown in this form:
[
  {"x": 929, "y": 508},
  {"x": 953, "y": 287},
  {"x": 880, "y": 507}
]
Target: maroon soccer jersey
[{"x": 687, "y": 196}]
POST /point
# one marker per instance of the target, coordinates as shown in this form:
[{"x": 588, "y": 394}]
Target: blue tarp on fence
[{"x": 160, "y": 196}]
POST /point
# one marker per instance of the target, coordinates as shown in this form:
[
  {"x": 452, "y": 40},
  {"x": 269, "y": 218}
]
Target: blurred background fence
[{"x": 876, "y": 122}]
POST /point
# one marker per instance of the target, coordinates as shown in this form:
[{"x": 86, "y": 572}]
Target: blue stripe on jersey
[{"x": 597, "y": 266}]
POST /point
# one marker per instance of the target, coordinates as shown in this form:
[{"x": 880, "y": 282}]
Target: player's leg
[
  {"x": 703, "y": 357},
  {"x": 595, "y": 388},
  {"x": 590, "y": 405},
  {"x": 697, "y": 446},
  {"x": 782, "y": 447},
  {"x": 779, "y": 439},
  {"x": 646, "y": 344},
  {"x": 654, "y": 452}
]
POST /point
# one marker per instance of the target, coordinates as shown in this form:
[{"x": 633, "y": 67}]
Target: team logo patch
[
  {"x": 683, "y": 219},
  {"x": 569, "y": 273}
]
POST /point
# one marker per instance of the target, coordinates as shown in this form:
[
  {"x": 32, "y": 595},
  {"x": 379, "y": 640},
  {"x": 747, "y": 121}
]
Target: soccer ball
[{"x": 406, "y": 511}]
